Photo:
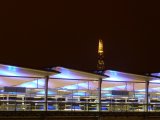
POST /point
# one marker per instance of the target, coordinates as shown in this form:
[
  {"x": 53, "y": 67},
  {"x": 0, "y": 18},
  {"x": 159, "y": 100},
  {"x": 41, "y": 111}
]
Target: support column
[
  {"x": 99, "y": 94},
  {"x": 147, "y": 94},
  {"x": 46, "y": 93}
]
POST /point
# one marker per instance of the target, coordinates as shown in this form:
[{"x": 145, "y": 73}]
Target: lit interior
[{"x": 70, "y": 89}]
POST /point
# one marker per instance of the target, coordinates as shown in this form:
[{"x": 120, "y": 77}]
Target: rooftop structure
[{"x": 63, "y": 89}]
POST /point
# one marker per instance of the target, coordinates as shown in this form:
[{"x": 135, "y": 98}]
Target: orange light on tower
[
  {"x": 100, "y": 64},
  {"x": 100, "y": 47}
]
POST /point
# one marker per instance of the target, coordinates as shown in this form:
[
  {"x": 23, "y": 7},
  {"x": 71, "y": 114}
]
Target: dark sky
[{"x": 41, "y": 33}]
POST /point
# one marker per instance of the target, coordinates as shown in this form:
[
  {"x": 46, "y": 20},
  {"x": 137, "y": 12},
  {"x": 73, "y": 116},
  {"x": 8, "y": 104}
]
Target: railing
[{"x": 78, "y": 106}]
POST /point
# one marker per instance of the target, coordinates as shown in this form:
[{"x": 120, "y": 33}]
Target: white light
[
  {"x": 124, "y": 97},
  {"x": 20, "y": 95},
  {"x": 132, "y": 99},
  {"x": 155, "y": 98},
  {"x": 62, "y": 90},
  {"x": 117, "y": 99},
  {"x": 39, "y": 95}
]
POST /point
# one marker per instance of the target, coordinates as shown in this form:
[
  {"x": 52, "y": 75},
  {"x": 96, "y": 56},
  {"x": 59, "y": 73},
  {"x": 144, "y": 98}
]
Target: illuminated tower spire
[
  {"x": 100, "y": 64},
  {"x": 100, "y": 47}
]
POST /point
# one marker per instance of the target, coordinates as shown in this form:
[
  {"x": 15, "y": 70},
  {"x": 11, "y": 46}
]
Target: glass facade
[{"x": 71, "y": 90}]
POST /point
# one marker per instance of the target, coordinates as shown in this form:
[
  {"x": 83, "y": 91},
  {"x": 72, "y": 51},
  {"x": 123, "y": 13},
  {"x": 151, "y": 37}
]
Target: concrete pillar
[
  {"x": 46, "y": 93},
  {"x": 99, "y": 93},
  {"x": 147, "y": 94}
]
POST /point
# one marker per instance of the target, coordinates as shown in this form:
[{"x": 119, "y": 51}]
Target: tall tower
[{"x": 100, "y": 64}]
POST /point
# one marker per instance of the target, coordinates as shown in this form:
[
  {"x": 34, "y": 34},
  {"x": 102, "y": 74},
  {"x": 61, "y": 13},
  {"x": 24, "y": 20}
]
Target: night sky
[{"x": 41, "y": 34}]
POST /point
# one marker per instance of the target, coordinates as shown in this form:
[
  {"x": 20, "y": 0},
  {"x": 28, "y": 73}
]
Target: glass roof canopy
[
  {"x": 156, "y": 74},
  {"x": 11, "y": 76},
  {"x": 127, "y": 77},
  {"x": 19, "y": 76},
  {"x": 25, "y": 77},
  {"x": 8, "y": 70}
]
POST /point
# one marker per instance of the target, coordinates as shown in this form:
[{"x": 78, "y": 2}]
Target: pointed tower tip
[
  {"x": 100, "y": 46},
  {"x": 100, "y": 64}
]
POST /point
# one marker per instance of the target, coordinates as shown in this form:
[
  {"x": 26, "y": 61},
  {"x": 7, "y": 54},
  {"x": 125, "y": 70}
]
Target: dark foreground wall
[{"x": 41, "y": 115}]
